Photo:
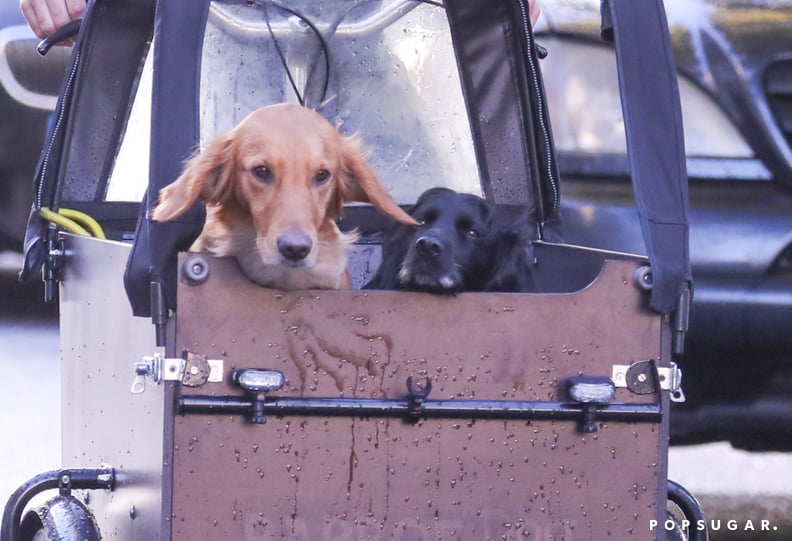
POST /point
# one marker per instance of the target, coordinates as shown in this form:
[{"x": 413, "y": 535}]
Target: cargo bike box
[{"x": 260, "y": 413}]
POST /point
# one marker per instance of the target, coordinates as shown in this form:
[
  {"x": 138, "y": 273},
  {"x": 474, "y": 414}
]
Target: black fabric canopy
[
  {"x": 655, "y": 145},
  {"x": 90, "y": 117},
  {"x": 503, "y": 91}
]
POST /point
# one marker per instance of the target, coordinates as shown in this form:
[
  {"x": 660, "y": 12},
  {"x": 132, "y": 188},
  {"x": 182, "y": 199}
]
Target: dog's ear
[
  {"x": 395, "y": 243},
  {"x": 206, "y": 176},
  {"x": 514, "y": 269},
  {"x": 360, "y": 183},
  {"x": 513, "y": 254}
]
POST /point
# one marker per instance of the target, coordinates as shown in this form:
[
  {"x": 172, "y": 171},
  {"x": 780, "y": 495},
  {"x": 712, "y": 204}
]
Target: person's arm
[{"x": 46, "y": 16}]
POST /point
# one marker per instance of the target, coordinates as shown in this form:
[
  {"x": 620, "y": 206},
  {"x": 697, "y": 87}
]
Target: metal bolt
[
  {"x": 132, "y": 512},
  {"x": 642, "y": 278},
  {"x": 641, "y": 378},
  {"x": 195, "y": 270},
  {"x": 106, "y": 479}
]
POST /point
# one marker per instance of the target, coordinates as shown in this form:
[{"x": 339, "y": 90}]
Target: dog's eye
[
  {"x": 322, "y": 176},
  {"x": 263, "y": 173},
  {"x": 467, "y": 227},
  {"x": 428, "y": 217}
]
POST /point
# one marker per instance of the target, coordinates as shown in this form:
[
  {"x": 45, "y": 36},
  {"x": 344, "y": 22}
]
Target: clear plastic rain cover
[{"x": 382, "y": 70}]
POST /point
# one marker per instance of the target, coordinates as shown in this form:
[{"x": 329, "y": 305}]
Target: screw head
[{"x": 195, "y": 269}]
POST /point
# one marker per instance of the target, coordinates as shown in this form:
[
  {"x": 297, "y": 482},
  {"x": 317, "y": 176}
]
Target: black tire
[{"x": 63, "y": 518}]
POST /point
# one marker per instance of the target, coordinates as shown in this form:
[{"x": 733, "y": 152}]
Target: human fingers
[{"x": 46, "y": 16}]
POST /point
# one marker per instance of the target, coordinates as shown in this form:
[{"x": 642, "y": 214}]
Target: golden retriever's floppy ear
[
  {"x": 207, "y": 176},
  {"x": 361, "y": 183}
]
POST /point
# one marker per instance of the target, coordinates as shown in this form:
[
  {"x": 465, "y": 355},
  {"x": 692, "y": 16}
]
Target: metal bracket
[
  {"x": 416, "y": 395},
  {"x": 645, "y": 377},
  {"x": 592, "y": 393},
  {"x": 52, "y": 273},
  {"x": 193, "y": 370},
  {"x": 257, "y": 383},
  {"x": 681, "y": 322}
]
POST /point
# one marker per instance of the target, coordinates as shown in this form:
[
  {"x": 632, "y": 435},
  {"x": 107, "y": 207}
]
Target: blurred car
[
  {"x": 734, "y": 60},
  {"x": 29, "y": 86}
]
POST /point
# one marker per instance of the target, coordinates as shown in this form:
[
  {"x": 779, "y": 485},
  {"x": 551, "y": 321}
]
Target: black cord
[
  {"x": 322, "y": 43},
  {"x": 282, "y": 56}
]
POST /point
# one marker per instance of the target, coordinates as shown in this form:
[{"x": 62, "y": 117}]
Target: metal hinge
[
  {"x": 645, "y": 377},
  {"x": 193, "y": 370}
]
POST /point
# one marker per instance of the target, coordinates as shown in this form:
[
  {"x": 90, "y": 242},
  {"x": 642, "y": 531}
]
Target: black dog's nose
[
  {"x": 294, "y": 245},
  {"x": 429, "y": 245}
]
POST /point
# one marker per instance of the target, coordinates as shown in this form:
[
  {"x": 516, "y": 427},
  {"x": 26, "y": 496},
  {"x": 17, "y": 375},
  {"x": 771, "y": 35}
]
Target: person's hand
[
  {"x": 46, "y": 16},
  {"x": 533, "y": 12}
]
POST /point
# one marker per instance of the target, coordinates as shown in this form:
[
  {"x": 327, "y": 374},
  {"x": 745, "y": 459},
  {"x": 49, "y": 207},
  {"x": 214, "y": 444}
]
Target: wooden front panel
[{"x": 312, "y": 478}]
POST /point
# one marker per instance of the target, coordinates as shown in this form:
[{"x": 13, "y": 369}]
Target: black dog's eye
[
  {"x": 322, "y": 176},
  {"x": 428, "y": 217},
  {"x": 467, "y": 228},
  {"x": 263, "y": 174}
]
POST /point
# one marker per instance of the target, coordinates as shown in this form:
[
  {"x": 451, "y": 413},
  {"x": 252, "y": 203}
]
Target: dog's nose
[
  {"x": 294, "y": 245},
  {"x": 429, "y": 245}
]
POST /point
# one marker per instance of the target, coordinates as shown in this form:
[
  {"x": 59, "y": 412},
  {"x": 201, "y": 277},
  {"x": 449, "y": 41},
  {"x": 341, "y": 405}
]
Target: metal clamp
[
  {"x": 645, "y": 377},
  {"x": 257, "y": 383},
  {"x": 193, "y": 370},
  {"x": 592, "y": 393},
  {"x": 416, "y": 395}
]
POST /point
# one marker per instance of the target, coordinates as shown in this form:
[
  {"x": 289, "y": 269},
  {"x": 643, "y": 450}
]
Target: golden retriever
[{"x": 273, "y": 187}]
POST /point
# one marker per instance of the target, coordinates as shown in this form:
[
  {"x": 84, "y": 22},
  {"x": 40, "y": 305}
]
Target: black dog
[{"x": 459, "y": 246}]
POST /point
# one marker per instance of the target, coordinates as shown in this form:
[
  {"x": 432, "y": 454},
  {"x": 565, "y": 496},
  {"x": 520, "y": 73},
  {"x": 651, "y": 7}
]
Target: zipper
[
  {"x": 545, "y": 132},
  {"x": 45, "y": 162}
]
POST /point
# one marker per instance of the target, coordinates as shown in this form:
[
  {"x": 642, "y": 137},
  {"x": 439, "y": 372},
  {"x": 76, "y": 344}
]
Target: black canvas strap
[
  {"x": 175, "y": 133},
  {"x": 502, "y": 87},
  {"x": 653, "y": 125}
]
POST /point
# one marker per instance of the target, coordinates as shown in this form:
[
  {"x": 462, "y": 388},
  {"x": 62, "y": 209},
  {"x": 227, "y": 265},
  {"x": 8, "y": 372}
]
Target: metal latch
[
  {"x": 592, "y": 393},
  {"x": 193, "y": 370},
  {"x": 645, "y": 377}
]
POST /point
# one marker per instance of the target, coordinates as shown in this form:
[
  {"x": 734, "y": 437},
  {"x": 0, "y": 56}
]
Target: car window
[{"x": 582, "y": 87}]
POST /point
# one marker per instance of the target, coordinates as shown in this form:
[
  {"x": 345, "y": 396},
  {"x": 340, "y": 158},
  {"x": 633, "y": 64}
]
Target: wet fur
[
  {"x": 249, "y": 218},
  {"x": 497, "y": 257}
]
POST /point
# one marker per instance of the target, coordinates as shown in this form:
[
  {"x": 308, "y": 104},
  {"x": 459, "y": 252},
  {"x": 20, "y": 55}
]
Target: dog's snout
[
  {"x": 429, "y": 245},
  {"x": 294, "y": 245}
]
